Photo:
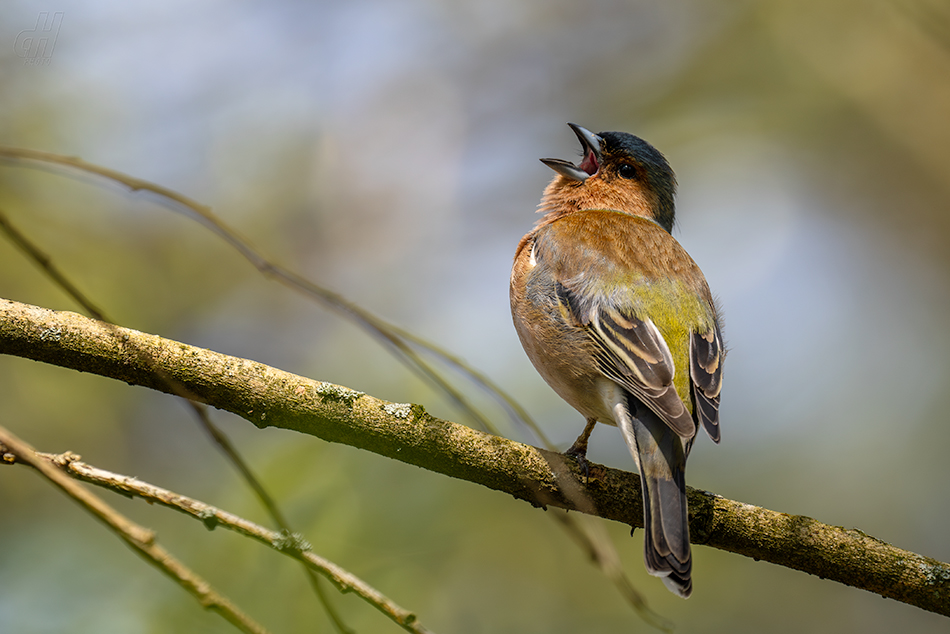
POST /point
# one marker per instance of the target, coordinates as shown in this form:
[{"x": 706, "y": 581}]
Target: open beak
[{"x": 591, "y": 161}]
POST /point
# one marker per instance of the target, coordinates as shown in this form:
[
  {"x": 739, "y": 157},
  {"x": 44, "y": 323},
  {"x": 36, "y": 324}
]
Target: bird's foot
[
  {"x": 578, "y": 450},
  {"x": 579, "y": 454}
]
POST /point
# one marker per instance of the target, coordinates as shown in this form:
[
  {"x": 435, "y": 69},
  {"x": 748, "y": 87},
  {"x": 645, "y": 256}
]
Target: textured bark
[{"x": 266, "y": 397}]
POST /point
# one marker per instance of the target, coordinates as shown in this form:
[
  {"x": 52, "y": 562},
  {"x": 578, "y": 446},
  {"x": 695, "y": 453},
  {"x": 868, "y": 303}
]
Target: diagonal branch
[
  {"x": 400, "y": 342},
  {"x": 290, "y": 544},
  {"x": 138, "y": 538},
  {"x": 266, "y": 396},
  {"x": 231, "y": 453}
]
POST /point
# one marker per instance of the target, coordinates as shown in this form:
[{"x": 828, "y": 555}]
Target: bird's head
[{"x": 619, "y": 171}]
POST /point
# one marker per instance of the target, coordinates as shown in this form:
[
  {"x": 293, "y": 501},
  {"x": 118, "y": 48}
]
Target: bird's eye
[{"x": 627, "y": 171}]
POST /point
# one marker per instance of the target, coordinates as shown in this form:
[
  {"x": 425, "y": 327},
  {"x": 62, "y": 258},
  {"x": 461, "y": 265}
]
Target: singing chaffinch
[{"x": 619, "y": 320}]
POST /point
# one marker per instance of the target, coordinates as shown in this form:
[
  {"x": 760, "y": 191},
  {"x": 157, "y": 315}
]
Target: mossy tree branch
[{"x": 267, "y": 396}]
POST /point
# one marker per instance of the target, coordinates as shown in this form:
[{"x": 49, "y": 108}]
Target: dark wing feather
[
  {"x": 632, "y": 352},
  {"x": 705, "y": 370}
]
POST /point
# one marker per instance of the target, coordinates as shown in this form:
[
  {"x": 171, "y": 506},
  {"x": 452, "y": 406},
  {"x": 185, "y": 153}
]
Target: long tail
[{"x": 661, "y": 459}]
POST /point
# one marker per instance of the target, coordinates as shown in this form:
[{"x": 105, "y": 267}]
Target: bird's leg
[{"x": 578, "y": 450}]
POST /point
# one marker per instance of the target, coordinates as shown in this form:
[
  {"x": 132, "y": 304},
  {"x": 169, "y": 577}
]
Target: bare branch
[
  {"x": 269, "y": 397},
  {"x": 140, "y": 539},
  {"x": 45, "y": 262},
  {"x": 290, "y": 544}
]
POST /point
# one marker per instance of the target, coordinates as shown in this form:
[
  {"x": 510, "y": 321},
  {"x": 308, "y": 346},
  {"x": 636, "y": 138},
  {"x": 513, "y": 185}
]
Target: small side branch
[
  {"x": 139, "y": 539},
  {"x": 292, "y": 545}
]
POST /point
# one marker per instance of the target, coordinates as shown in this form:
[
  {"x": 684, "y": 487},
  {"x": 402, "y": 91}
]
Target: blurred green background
[{"x": 388, "y": 150}]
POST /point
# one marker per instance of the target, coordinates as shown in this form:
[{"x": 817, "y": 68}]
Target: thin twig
[
  {"x": 46, "y": 264},
  {"x": 290, "y": 544},
  {"x": 237, "y": 461},
  {"x": 140, "y": 539},
  {"x": 383, "y": 331},
  {"x": 593, "y": 539}
]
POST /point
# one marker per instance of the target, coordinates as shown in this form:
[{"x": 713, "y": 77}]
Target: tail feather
[{"x": 661, "y": 459}]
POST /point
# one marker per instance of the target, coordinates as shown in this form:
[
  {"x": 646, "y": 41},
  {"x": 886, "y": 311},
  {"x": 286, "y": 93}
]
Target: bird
[{"x": 619, "y": 320}]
